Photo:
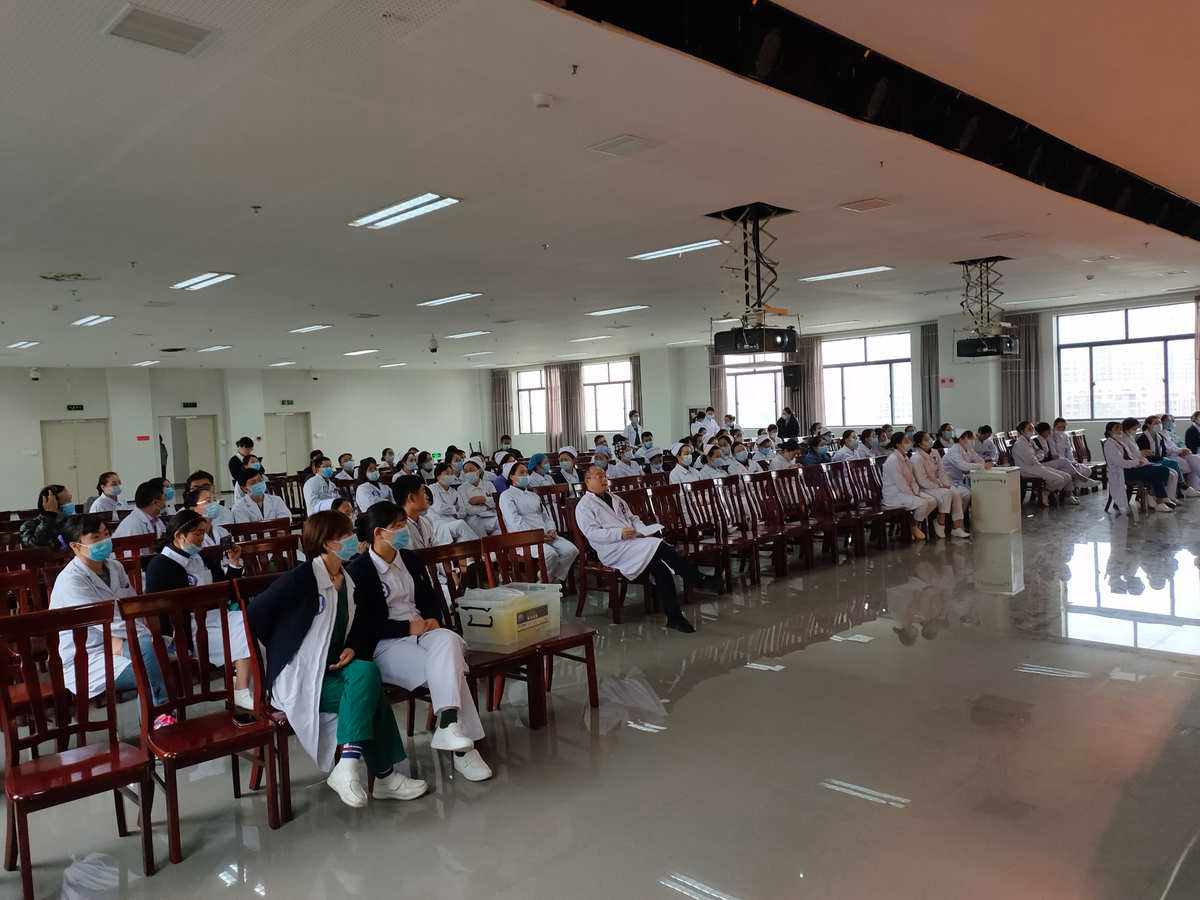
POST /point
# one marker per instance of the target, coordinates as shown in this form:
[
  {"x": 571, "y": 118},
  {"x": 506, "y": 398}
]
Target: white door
[
  {"x": 202, "y": 443},
  {"x": 298, "y": 442},
  {"x": 74, "y": 453},
  {"x": 276, "y": 449}
]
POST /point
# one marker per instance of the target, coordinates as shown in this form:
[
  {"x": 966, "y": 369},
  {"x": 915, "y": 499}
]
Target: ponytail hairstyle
[
  {"x": 897, "y": 437},
  {"x": 363, "y": 464},
  {"x": 380, "y": 515},
  {"x": 184, "y": 521}
]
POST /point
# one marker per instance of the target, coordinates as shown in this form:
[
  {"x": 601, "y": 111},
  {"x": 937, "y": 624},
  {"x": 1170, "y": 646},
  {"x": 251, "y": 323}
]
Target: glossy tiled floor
[{"x": 993, "y": 719}]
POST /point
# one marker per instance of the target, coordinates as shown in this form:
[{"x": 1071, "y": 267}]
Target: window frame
[
  {"x": 755, "y": 366},
  {"x": 890, "y": 362},
  {"x": 525, "y": 400},
  {"x": 1090, "y": 346},
  {"x": 626, "y": 393}
]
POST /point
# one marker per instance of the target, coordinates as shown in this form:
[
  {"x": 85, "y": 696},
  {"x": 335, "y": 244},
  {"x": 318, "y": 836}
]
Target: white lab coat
[
  {"x": 682, "y": 473},
  {"x": 448, "y": 514},
  {"x": 369, "y": 493},
  {"x": 1029, "y": 459},
  {"x": 933, "y": 480},
  {"x": 106, "y": 504},
  {"x": 343, "y": 475},
  {"x": 482, "y": 519},
  {"x": 624, "y": 470},
  {"x": 1190, "y": 463},
  {"x": 537, "y": 479},
  {"x": 643, "y": 452},
  {"x": 137, "y": 522},
  {"x": 901, "y": 490},
  {"x": 780, "y": 462},
  {"x": 1119, "y": 457},
  {"x": 569, "y": 476},
  {"x": 198, "y": 575},
  {"x": 959, "y": 463},
  {"x": 602, "y": 526},
  {"x": 709, "y": 471},
  {"x": 989, "y": 450},
  {"x": 633, "y": 433},
  {"x": 844, "y": 453},
  {"x": 77, "y": 585},
  {"x": 736, "y": 468},
  {"x": 523, "y": 511},
  {"x": 1058, "y": 454},
  {"x": 297, "y": 689},
  {"x": 319, "y": 494},
  {"x": 273, "y": 507}
]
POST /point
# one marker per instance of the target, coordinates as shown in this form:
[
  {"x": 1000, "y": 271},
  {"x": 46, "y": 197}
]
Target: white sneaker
[
  {"x": 960, "y": 533},
  {"x": 1190, "y": 491},
  {"x": 939, "y": 529},
  {"x": 451, "y": 738},
  {"x": 349, "y": 779},
  {"x": 472, "y": 767},
  {"x": 1165, "y": 508},
  {"x": 398, "y": 787},
  {"x": 242, "y": 698},
  {"x": 1074, "y": 500}
]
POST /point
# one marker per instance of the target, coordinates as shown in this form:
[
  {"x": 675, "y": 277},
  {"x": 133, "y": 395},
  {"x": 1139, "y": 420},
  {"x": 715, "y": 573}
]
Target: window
[
  {"x": 1127, "y": 362},
  {"x": 531, "y": 402},
  {"x": 754, "y": 388},
  {"x": 868, "y": 380},
  {"x": 607, "y": 395}
]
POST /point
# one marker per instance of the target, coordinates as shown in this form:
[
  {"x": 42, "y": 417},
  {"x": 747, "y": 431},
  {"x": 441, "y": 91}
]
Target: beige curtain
[
  {"x": 1196, "y": 345},
  {"x": 502, "y": 405},
  {"x": 808, "y": 400},
  {"x": 717, "y": 395},
  {"x": 1020, "y": 376},
  {"x": 930, "y": 393},
  {"x": 635, "y": 387},
  {"x": 564, "y": 405}
]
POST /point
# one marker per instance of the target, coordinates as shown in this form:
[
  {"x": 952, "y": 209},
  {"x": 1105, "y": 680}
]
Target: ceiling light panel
[
  {"x": 392, "y": 365},
  {"x": 678, "y": 343},
  {"x": 850, "y": 273},
  {"x": 466, "y": 334},
  {"x": 200, "y": 282},
  {"x": 91, "y": 321},
  {"x": 280, "y": 365},
  {"x": 361, "y": 352},
  {"x": 215, "y": 348},
  {"x": 677, "y": 251},
  {"x": 23, "y": 345},
  {"x": 478, "y": 353},
  {"x": 145, "y": 363},
  {"x": 309, "y": 329},
  {"x": 616, "y": 310},
  {"x": 861, "y": 206},
  {"x": 584, "y": 340},
  {"x": 403, "y": 211},
  {"x": 454, "y": 298}
]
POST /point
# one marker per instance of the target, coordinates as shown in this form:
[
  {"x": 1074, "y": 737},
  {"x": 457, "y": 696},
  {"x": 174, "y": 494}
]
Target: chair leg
[
  {"x": 616, "y": 599},
  {"x": 497, "y": 693},
  {"x": 119, "y": 802},
  {"x": 431, "y": 719},
  {"x": 589, "y": 655},
  {"x": 172, "y": 791},
  {"x": 411, "y": 717},
  {"x": 235, "y": 769},
  {"x": 581, "y": 599},
  {"x": 285, "y": 778},
  {"x": 145, "y": 816},
  {"x": 272, "y": 784},
  {"x": 549, "y": 672},
  {"x": 256, "y": 773},
  {"x": 10, "y": 836},
  {"x": 23, "y": 850}
]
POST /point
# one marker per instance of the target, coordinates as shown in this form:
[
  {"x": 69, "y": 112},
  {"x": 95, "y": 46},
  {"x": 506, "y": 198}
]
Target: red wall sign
[{"x": 143, "y": 437}]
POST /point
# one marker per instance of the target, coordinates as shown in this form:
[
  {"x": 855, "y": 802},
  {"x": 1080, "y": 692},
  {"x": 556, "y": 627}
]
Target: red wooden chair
[
  {"x": 763, "y": 500},
  {"x": 846, "y": 503},
  {"x": 625, "y": 483},
  {"x": 831, "y": 523},
  {"x": 32, "y": 558},
  {"x": 69, "y": 774},
  {"x": 515, "y": 559},
  {"x": 654, "y": 479},
  {"x": 189, "y": 682},
  {"x": 554, "y": 499},
  {"x": 274, "y": 555},
  {"x": 135, "y": 546},
  {"x": 769, "y": 535},
  {"x": 1083, "y": 455},
  {"x": 867, "y": 489},
  {"x": 291, "y": 490},
  {"x": 688, "y": 538},
  {"x": 251, "y": 532},
  {"x": 589, "y": 567},
  {"x": 706, "y": 509}
]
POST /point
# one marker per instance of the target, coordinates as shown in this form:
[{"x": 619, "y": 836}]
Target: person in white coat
[
  {"x": 149, "y": 502},
  {"x": 1029, "y": 459},
  {"x": 1126, "y": 465},
  {"x": 682, "y": 471},
  {"x": 785, "y": 457},
  {"x": 108, "y": 495},
  {"x": 623, "y": 542},
  {"x": 539, "y": 471},
  {"x": 962, "y": 459},
  {"x": 256, "y": 504},
  {"x": 764, "y": 449},
  {"x": 933, "y": 480},
  {"x": 714, "y": 463},
  {"x": 633, "y": 431},
  {"x": 988, "y": 445},
  {"x": 345, "y": 469},
  {"x": 738, "y": 464},
  {"x": 93, "y": 576},
  {"x": 523, "y": 511},
  {"x": 1043, "y": 441},
  {"x": 1173, "y": 448},
  {"x": 319, "y": 492},
  {"x": 1061, "y": 447},
  {"x": 371, "y": 491},
  {"x": 568, "y": 472},
  {"x": 847, "y": 447},
  {"x": 625, "y": 467},
  {"x": 448, "y": 509},
  {"x": 900, "y": 488},
  {"x": 479, "y": 497}
]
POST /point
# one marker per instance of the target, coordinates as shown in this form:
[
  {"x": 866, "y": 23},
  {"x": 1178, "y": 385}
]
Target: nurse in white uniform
[
  {"x": 370, "y": 491},
  {"x": 962, "y": 459},
  {"x": 846, "y": 449},
  {"x": 448, "y": 511},
  {"x": 633, "y": 431},
  {"x": 714, "y": 465},
  {"x": 539, "y": 471},
  {"x": 1061, "y": 447},
  {"x": 1189, "y": 463},
  {"x": 523, "y": 511},
  {"x": 738, "y": 464},
  {"x": 1051, "y": 460},
  {"x": 785, "y": 457},
  {"x": 682, "y": 471},
  {"x": 150, "y": 502},
  {"x": 479, "y": 496},
  {"x": 764, "y": 451},
  {"x": 256, "y": 504},
  {"x": 900, "y": 488},
  {"x": 933, "y": 480},
  {"x": 319, "y": 492},
  {"x": 568, "y": 472},
  {"x": 1029, "y": 459},
  {"x": 108, "y": 499},
  {"x": 346, "y": 466},
  {"x": 625, "y": 467}
]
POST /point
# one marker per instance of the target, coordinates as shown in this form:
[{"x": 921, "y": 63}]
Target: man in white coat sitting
[
  {"x": 149, "y": 502},
  {"x": 623, "y": 542},
  {"x": 319, "y": 492},
  {"x": 255, "y": 504}
]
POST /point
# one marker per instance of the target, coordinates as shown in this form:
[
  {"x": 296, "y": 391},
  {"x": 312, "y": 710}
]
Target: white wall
[{"x": 974, "y": 399}]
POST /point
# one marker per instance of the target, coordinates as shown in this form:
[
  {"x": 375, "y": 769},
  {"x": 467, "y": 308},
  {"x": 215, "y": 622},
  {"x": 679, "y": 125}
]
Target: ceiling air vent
[
  {"x": 173, "y": 350},
  {"x": 861, "y": 206},
  {"x": 159, "y": 304},
  {"x": 364, "y": 315},
  {"x": 623, "y": 145},
  {"x": 157, "y": 30},
  {"x": 68, "y": 276}
]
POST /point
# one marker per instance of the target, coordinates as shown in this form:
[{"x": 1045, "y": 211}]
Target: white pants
[
  {"x": 1190, "y": 465},
  {"x": 453, "y": 531},
  {"x": 560, "y": 554},
  {"x": 948, "y": 501},
  {"x": 921, "y": 505},
  {"x": 484, "y": 525},
  {"x": 238, "y": 649},
  {"x": 434, "y": 658},
  {"x": 1077, "y": 471},
  {"x": 1055, "y": 480}
]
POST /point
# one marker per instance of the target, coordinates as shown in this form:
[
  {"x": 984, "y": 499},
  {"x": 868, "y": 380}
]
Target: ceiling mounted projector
[{"x": 755, "y": 340}]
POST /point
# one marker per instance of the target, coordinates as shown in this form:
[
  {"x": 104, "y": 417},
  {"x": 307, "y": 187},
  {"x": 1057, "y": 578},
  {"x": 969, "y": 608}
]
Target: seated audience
[
  {"x": 256, "y": 504},
  {"x": 149, "y": 501},
  {"x": 412, "y": 496},
  {"x": 786, "y": 456},
  {"x": 523, "y": 510},
  {"x": 932, "y": 479},
  {"x": 448, "y": 510},
  {"x": 370, "y": 491},
  {"x": 345, "y": 470},
  {"x": 682, "y": 471},
  {"x": 46, "y": 529},
  {"x": 714, "y": 463},
  {"x": 1043, "y": 441},
  {"x": 988, "y": 446},
  {"x": 479, "y": 497},
  {"x": 1030, "y": 460},
  {"x": 900, "y": 488},
  {"x": 625, "y": 466},
  {"x": 539, "y": 471},
  {"x": 1127, "y": 465},
  {"x": 962, "y": 459},
  {"x": 846, "y": 446},
  {"x": 108, "y": 495},
  {"x": 319, "y": 492}
]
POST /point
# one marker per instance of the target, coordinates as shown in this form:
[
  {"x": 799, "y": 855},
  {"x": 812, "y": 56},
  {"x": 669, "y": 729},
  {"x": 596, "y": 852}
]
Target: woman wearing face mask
[
  {"x": 202, "y": 501},
  {"x": 108, "y": 495},
  {"x": 387, "y": 458},
  {"x": 625, "y": 466},
  {"x": 946, "y": 436},
  {"x": 257, "y": 504},
  {"x": 602, "y": 457},
  {"x": 1030, "y": 460},
  {"x": 1126, "y": 465},
  {"x": 179, "y": 565},
  {"x": 567, "y": 472},
  {"x": 933, "y": 481},
  {"x": 739, "y": 463},
  {"x": 846, "y": 446},
  {"x": 54, "y": 506},
  {"x": 714, "y": 464},
  {"x": 409, "y": 465},
  {"x": 682, "y": 471},
  {"x": 448, "y": 509},
  {"x": 962, "y": 459},
  {"x": 539, "y": 471},
  {"x": 900, "y": 488},
  {"x": 523, "y": 510},
  {"x": 168, "y": 498},
  {"x": 320, "y": 659},
  {"x": 370, "y": 491},
  {"x": 345, "y": 469},
  {"x": 93, "y": 576},
  {"x": 403, "y": 611},
  {"x": 1153, "y": 447},
  {"x": 870, "y": 445},
  {"x": 479, "y": 497},
  {"x": 319, "y": 492},
  {"x": 1189, "y": 463},
  {"x": 1044, "y": 442}
]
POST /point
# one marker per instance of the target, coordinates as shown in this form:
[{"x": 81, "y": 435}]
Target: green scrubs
[{"x": 355, "y": 693}]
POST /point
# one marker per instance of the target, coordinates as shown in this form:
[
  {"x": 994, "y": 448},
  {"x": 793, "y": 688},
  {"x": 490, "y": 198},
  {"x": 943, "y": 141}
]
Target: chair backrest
[
  {"x": 639, "y": 504},
  {"x": 33, "y": 558},
  {"x": 23, "y": 643},
  {"x": 291, "y": 489},
  {"x": 134, "y": 546},
  {"x": 625, "y": 483},
  {"x": 735, "y": 503},
  {"x": 587, "y": 553},
  {"x": 553, "y": 497},
  {"x": 863, "y": 484},
  {"x": 837, "y": 481},
  {"x": 278, "y": 554},
  {"x": 1080, "y": 446},
  {"x": 244, "y": 590},
  {"x": 10, "y": 540},
  {"x": 790, "y": 489},
  {"x": 667, "y": 500},
  {"x": 815, "y": 484},
  {"x": 248, "y": 532},
  {"x": 654, "y": 479},
  {"x": 762, "y": 500},
  {"x": 188, "y": 678},
  {"x": 453, "y": 560},
  {"x": 704, "y": 506},
  {"x": 345, "y": 488},
  {"x": 514, "y": 557},
  {"x": 21, "y": 592}
]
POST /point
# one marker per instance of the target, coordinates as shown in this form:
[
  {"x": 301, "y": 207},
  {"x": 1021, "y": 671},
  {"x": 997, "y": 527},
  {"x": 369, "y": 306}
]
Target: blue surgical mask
[
  {"x": 741, "y": 456},
  {"x": 169, "y": 493},
  {"x": 505, "y": 445},
  {"x": 347, "y": 548},
  {"x": 67, "y": 509},
  {"x": 257, "y": 467},
  {"x": 348, "y": 465},
  {"x": 445, "y": 480},
  {"x": 685, "y": 458},
  {"x": 373, "y": 475},
  {"x": 327, "y": 471},
  {"x": 190, "y": 549},
  {"x": 458, "y": 465},
  {"x": 113, "y": 490},
  {"x": 212, "y": 509},
  {"x": 471, "y": 478},
  {"x": 400, "y": 538},
  {"x": 522, "y": 481},
  {"x": 100, "y": 551},
  {"x": 647, "y": 443},
  {"x": 259, "y": 489}
]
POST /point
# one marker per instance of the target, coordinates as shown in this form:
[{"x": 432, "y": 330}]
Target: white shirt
[
  {"x": 621, "y": 469},
  {"x": 398, "y": 588},
  {"x": 319, "y": 494},
  {"x": 709, "y": 471},
  {"x": 779, "y": 462},
  {"x": 78, "y": 585},
  {"x": 421, "y": 534},
  {"x": 343, "y": 475},
  {"x": 523, "y": 510},
  {"x": 570, "y": 476},
  {"x": 537, "y": 479},
  {"x": 137, "y": 522},
  {"x": 736, "y": 468},
  {"x": 484, "y": 489},
  {"x": 989, "y": 449},
  {"x": 106, "y": 504},
  {"x": 273, "y": 507},
  {"x": 369, "y": 493},
  {"x": 447, "y": 504},
  {"x": 680, "y": 474},
  {"x": 844, "y": 453},
  {"x": 633, "y": 433}
]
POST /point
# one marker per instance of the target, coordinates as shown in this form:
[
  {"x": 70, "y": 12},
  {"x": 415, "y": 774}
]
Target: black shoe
[{"x": 682, "y": 624}]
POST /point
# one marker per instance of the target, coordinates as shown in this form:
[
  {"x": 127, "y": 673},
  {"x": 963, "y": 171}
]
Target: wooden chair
[
  {"x": 10, "y": 540},
  {"x": 769, "y": 536},
  {"x": 868, "y": 492},
  {"x": 251, "y": 532},
  {"x": 1083, "y": 455},
  {"x": 654, "y": 479},
  {"x": 272, "y": 555},
  {"x": 554, "y": 498},
  {"x": 69, "y": 774},
  {"x": 291, "y": 490},
  {"x": 189, "y": 682},
  {"x": 33, "y": 558},
  {"x": 707, "y": 508},
  {"x": 762, "y": 499},
  {"x": 515, "y": 559},
  {"x": 608, "y": 579},
  {"x": 625, "y": 483},
  {"x": 135, "y": 546},
  {"x": 688, "y": 537},
  {"x": 847, "y": 502}
]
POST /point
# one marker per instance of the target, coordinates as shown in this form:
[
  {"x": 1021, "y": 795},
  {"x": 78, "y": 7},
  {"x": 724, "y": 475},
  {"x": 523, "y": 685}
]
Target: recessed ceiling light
[
  {"x": 835, "y": 324},
  {"x": 199, "y": 282},
  {"x": 279, "y": 365},
  {"x": 361, "y": 352},
  {"x": 677, "y": 343},
  {"x": 478, "y": 353},
  {"x": 616, "y": 310},
  {"x": 89, "y": 321},
  {"x": 860, "y": 206},
  {"x": 214, "y": 348},
  {"x": 724, "y": 321},
  {"x": 1096, "y": 259},
  {"x": 392, "y": 365},
  {"x": 23, "y": 345},
  {"x": 571, "y": 356},
  {"x": 678, "y": 251},
  {"x": 466, "y": 334},
  {"x": 309, "y": 329},
  {"x": 407, "y": 209},
  {"x": 145, "y": 363},
  {"x": 442, "y": 301},
  {"x": 1006, "y": 303},
  {"x": 598, "y": 337},
  {"x": 870, "y": 270}
]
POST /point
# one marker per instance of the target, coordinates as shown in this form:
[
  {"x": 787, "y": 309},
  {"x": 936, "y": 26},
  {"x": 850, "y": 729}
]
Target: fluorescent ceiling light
[
  {"x": 23, "y": 345},
  {"x": 677, "y": 343},
  {"x": 214, "y": 348},
  {"x": 870, "y": 270},
  {"x": 407, "y": 209},
  {"x": 478, "y": 353},
  {"x": 281, "y": 364},
  {"x": 678, "y": 251},
  {"x": 598, "y": 337},
  {"x": 1006, "y": 304},
  {"x": 452, "y": 299},
  {"x": 89, "y": 321},
  {"x": 466, "y": 334},
  {"x": 570, "y": 356},
  {"x": 145, "y": 363},
  {"x": 199, "y": 282},
  {"x": 361, "y": 352},
  {"x": 835, "y": 324},
  {"x": 309, "y": 329},
  {"x": 392, "y": 365},
  {"x": 617, "y": 310},
  {"x": 724, "y": 321}
]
